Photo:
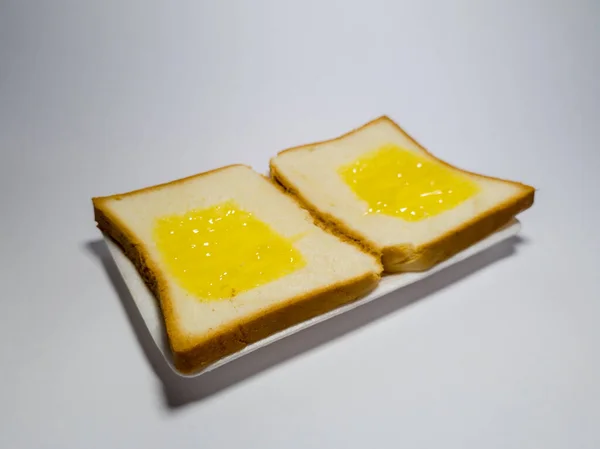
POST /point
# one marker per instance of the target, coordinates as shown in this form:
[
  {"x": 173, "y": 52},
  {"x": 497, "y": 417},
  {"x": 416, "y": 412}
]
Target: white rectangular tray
[{"x": 152, "y": 316}]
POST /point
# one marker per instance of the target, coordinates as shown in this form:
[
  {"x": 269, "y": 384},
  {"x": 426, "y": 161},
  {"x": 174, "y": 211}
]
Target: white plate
[{"x": 152, "y": 316}]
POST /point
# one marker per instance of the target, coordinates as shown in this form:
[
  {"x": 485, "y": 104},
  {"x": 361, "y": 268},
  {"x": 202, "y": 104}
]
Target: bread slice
[
  {"x": 207, "y": 314},
  {"x": 324, "y": 177}
]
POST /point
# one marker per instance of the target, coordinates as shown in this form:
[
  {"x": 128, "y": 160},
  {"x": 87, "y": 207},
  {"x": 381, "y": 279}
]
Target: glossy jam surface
[
  {"x": 219, "y": 252},
  {"x": 400, "y": 183}
]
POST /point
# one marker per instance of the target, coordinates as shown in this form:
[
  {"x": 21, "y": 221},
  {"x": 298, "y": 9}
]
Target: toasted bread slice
[
  {"x": 232, "y": 259},
  {"x": 381, "y": 188}
]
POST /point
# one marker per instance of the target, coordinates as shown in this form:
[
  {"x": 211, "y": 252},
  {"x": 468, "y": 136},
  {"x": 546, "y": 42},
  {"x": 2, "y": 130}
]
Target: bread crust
[
  {"x": 408, "y": 258},
  {"x": 193, "y": 353}
]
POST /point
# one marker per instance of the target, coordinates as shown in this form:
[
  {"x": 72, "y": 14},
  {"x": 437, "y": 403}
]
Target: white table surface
[{"x": 101, "y": 97}]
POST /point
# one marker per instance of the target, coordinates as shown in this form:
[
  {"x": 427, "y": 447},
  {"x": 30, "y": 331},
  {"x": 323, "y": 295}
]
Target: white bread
[
  {"x": 310, "y": 172},
  {"x": 202, "y": 331}
]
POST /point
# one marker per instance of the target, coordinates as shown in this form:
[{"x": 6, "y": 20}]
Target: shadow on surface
[{"x": 180, "y": 391}]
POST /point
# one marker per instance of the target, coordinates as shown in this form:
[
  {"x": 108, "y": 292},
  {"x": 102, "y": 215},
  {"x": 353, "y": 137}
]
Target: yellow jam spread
[
  {"x": 397, "y": 182},
  {"x": 219, "y": 252}
]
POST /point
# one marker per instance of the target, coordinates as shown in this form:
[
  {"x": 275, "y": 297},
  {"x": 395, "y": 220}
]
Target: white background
[{"x": 101, "y": 97}]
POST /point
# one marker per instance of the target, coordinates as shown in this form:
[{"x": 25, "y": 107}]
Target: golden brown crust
[
  {"x": 192, "y": 353},
  {"x": 340, "y": 137},
  {"x": 401, "y": 258},
  {"x": 119, "y": 196},
  {"x": 279, "y": 317}
]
